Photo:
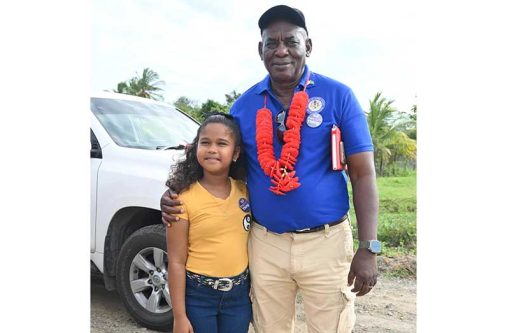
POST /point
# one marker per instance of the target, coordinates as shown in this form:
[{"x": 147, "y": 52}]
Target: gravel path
[{"x": 390, "y": 307}]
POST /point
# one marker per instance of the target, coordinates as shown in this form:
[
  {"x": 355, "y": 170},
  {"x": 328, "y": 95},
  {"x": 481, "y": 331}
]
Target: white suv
[{"x": 134, "y": 142}]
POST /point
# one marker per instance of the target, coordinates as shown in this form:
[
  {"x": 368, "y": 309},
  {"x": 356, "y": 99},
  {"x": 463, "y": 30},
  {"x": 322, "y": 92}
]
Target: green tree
[
  {"x": 413, "y": 111},
  {"x": 122, "y": 88},
  {"x": 213, "y": 106},
  {"x": 231, "y": 98},
  {"x": 188, "y": 106},
  {"x": 386, "y": 126},
  {"x": 193, "y": 109},
  {"x": 146, "y": 85},
  {"x": 412, "y": 128}
]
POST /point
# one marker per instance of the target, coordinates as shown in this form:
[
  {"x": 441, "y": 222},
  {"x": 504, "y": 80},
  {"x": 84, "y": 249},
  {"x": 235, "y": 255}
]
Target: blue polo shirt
[{"x": 322, "y": 197}]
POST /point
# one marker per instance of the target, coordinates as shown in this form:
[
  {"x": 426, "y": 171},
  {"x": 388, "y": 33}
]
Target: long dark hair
[{"x": 188, "y": 170}]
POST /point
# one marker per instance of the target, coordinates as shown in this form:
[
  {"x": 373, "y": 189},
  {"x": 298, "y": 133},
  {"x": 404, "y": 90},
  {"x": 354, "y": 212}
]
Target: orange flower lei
[{"x": 281, "y": 172}]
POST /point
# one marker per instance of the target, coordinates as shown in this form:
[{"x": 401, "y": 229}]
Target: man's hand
[
  {"x": 169, "y": 206},
  {"x": 364, "y": 270}
]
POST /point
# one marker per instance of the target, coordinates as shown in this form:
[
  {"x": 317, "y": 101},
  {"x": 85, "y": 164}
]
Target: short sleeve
[
  {"x": 354, "y": 126},
  {"x": 183, "y": 215}
]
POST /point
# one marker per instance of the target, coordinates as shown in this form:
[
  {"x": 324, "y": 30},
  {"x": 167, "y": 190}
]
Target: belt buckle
[{"x": 226, "y": 287}]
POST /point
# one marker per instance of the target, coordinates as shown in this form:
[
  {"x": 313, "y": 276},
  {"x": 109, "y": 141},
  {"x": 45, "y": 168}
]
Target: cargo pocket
[{"x": 347, "y": 315}]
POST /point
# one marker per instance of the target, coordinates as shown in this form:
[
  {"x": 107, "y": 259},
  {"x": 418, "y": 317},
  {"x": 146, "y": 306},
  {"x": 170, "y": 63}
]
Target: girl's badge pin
[
  {"x": 315, "y": 104},
  {"x": 314, "y": 120},
  {"x": 244, "y": 205},
  {"x": 247, "y": 222}
]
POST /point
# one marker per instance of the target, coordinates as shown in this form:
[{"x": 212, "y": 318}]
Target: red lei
[{"x": 281, "y": 172}]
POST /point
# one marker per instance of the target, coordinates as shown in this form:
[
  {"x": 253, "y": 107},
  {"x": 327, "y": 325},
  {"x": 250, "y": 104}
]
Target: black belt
[
  {"x": 320, "y": 227},
  {"x": 317, "y": 228},
  {"x": 222, "y": 284}
]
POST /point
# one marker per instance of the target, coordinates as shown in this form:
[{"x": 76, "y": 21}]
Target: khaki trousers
[{"x": 317, "y": 264}]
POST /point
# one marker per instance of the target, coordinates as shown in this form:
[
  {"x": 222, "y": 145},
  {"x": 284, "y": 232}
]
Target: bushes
[
  {"x": 397, "y": 206},
  {"x": 393, "y": 170},
  {"x": 397, "y": 228}
]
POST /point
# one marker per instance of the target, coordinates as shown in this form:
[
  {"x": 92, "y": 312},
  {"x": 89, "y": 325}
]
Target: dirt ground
[{"x": 390, "y": 307}]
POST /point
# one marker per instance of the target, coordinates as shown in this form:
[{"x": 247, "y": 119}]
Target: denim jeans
[{"x": 214, "y": 311}]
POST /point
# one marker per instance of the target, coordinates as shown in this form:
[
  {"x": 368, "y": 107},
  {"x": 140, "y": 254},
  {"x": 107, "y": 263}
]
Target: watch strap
[
  {"x": 367, "y": 244},
  {"x": 364, "y": 244}
]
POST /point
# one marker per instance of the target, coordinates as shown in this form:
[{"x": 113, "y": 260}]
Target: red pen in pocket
[{"x": 337, "y": 151}]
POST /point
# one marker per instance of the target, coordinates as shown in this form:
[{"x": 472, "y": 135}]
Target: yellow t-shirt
[{"x": 218, "y": 230}]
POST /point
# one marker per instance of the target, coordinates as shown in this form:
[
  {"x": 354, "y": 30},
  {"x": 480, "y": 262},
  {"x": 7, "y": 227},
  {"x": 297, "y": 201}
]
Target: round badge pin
[
  {"x": 314, "y": 120},
  {"x": 247, "y": 222},
  {"x": 315, "y": 104}
]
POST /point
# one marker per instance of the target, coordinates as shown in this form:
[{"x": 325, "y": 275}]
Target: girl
[{"x": 207, "y": 249}]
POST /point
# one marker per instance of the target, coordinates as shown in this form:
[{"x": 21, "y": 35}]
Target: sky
[{"x": 205, "y": 49}]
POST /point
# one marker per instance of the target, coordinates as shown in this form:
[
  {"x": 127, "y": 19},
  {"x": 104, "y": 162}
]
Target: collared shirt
[{"x": 323, "y": 196}]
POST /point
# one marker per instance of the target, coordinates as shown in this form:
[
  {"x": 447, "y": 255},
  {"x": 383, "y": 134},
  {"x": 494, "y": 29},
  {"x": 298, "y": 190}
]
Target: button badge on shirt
[
  {"x": 246, "y": 222},
  {"x": 315, "y": 104},
  {"x": 314, "y": 120},
  {"x": 244, "y": 205}
]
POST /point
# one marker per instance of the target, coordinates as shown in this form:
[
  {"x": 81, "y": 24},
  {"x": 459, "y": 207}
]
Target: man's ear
[
  {"x": 308, "y": 47},
  {"x": 260, "y": 50}
]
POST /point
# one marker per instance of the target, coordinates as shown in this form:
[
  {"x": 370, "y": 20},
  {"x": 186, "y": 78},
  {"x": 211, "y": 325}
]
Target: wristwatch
[{"x": 373, "y": 246}]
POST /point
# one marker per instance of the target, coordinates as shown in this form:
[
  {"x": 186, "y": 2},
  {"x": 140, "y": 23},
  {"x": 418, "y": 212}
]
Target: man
[{"x": 301, "y": 238}]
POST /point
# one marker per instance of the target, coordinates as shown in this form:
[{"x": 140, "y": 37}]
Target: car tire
[{"x": 141, "y": 278}]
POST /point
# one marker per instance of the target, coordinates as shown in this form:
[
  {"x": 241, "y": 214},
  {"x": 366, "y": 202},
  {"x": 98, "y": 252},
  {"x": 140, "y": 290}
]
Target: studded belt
[{"x": 222, "y": 284}]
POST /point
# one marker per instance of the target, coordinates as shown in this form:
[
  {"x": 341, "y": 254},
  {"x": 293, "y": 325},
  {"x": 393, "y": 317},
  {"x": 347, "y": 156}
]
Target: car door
[{"x": 95, "y": 161}]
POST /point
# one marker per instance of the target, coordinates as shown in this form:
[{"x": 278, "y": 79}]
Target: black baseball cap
[{"x": 282, "y": 12}]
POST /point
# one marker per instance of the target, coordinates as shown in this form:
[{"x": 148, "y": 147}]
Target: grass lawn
[{"x": 397, "y": 214}]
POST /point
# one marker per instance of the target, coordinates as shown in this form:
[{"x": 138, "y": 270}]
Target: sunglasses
[{"x": 280, "y": 120}]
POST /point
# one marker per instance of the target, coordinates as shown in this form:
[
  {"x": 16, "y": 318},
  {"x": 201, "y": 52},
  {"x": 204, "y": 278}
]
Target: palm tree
[
  {"x": 143, "y": 86},
  {"x": 389, "y": 141},
  {"x": 122, "y": 88}
]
